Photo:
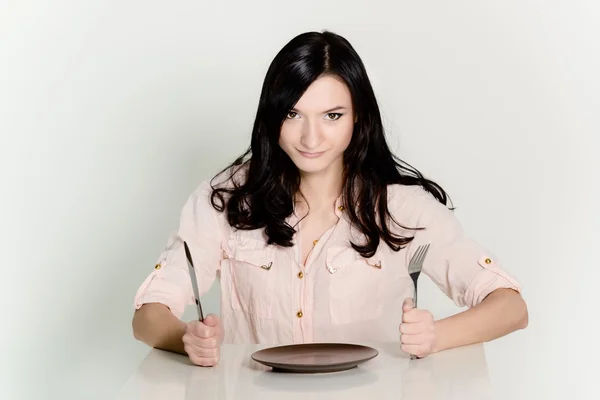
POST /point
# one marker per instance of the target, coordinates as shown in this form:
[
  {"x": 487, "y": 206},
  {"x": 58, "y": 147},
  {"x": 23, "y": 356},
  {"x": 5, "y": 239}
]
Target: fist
[
  {"x": 202, "y": 341},
  {"x": 418, "y": 335}
]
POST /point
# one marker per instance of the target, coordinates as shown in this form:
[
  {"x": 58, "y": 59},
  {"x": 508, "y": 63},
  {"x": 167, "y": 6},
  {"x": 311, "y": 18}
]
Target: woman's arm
[
  {"x": 161, "y": 298},
  {"x": 155, "y": 325},
  {"x": 503, "y": 311}
]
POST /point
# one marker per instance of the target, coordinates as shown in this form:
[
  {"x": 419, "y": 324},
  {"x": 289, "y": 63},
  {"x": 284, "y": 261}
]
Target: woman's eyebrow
[{"x": 336, "y": 108}]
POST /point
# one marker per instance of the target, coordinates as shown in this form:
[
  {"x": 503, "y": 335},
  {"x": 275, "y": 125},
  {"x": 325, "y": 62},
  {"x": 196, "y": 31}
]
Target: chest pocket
[
  {"x": 356, "y": 285},
  {"x": 253, "y": 274}
]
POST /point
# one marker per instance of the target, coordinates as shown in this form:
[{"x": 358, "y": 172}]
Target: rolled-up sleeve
[
  {"x": 463, "y": 269},
  {"x": 169, "y": 282}
]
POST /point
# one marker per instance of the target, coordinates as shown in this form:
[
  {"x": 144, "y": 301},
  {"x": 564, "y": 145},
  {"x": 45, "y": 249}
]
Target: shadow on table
[{"x": 316, "y": 383}]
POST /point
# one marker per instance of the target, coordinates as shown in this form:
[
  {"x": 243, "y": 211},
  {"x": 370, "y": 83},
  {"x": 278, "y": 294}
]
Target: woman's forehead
[{"x": 323, "y": 95}]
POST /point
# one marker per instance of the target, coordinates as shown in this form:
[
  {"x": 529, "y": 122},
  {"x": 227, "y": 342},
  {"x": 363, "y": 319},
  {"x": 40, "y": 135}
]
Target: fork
[{"x": 414, "y": 270}]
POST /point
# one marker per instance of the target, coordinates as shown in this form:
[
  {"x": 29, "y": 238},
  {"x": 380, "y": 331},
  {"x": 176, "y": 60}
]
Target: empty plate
[{"x": 314, "y": 357}]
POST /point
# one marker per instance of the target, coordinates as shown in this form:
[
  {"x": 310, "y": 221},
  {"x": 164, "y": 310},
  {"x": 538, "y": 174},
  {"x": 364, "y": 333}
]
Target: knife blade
[{"x": 194, "y": 281}]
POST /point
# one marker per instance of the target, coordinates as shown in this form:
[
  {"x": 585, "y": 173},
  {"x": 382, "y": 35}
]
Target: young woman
[{"x": 310, "y": 232}]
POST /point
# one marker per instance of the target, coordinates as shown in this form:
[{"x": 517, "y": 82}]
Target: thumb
[
  {"x": 211, "y": 320},
  {"x": 408, "y": 304}
]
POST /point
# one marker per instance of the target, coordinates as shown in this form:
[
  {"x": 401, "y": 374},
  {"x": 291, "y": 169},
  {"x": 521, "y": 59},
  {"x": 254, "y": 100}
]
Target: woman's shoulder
[
  {"x": 227, "y": 179},
  {"x": 407, "y": 201},
  {"x": 398, "y": 193},
  {"x": 231, "y": 177}
]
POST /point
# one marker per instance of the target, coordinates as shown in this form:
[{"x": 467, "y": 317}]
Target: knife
[{"x": 194, "y": 281}]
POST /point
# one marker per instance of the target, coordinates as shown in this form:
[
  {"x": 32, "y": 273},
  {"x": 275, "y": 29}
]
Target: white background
[{"x": 111, "y": 112}]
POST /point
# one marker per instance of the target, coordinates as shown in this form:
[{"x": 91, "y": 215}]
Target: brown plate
[{"x": 314, "y": 357}]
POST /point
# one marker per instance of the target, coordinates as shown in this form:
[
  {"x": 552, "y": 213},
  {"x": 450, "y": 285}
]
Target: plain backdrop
[{"x": 111, "y": 112}]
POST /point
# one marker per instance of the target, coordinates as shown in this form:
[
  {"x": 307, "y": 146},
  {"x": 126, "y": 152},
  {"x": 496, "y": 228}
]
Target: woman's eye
[
  {"x": 333, "y": 116},
  {"x": 292, "y": 115}
]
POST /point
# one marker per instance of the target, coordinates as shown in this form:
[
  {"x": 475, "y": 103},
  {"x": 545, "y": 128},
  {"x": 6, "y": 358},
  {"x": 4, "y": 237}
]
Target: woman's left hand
[{"x": 418, "y": 335}]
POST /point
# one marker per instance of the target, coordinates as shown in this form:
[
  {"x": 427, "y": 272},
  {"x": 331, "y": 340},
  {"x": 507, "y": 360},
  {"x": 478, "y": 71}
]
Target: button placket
[{"x": 301, "y": 297}]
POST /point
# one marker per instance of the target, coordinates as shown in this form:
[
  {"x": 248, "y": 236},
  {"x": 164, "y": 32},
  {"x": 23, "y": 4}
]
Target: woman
[{"x": 311, "y": 231}]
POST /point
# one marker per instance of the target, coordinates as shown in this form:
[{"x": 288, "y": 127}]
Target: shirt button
[
  {"x": 300, "y": 275},
  {"x": 157, "y": 266},
  {"x": 299, "y": 314}
]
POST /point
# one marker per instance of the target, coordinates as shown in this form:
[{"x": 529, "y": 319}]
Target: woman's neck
[{"x": 321, "y": 189}]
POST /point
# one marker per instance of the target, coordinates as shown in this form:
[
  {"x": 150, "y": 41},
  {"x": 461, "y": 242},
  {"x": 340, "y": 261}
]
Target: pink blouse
[{"x": 268, "y": 296}]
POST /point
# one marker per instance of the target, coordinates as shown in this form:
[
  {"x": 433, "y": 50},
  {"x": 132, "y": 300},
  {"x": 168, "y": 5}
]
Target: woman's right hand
[{"x": 202, "y": 341}]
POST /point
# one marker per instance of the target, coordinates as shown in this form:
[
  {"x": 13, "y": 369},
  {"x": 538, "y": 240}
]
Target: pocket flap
[
  {"x": 337, "y": 257},
  {"x": 340, "y": 257},
  {"x": 251, "y": 250}
]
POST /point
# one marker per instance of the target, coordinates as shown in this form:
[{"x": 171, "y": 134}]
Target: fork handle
[
  {"x": 412, "y": 356},
  {"x": 415, "y": 297}
]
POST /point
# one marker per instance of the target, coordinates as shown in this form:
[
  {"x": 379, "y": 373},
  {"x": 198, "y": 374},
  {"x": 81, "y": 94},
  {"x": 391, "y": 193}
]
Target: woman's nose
[{"x": 311, "y": 136}]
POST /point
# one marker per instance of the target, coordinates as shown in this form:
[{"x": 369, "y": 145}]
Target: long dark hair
[{"x": 264, "y": 198}]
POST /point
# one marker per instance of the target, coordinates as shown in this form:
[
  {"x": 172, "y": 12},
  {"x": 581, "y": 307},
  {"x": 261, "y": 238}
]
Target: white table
[{"x": 454, "y": 374}]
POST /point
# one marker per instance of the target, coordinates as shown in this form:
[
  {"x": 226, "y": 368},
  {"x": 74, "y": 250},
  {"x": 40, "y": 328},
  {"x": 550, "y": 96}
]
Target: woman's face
[{"x": 319, "y": 128}]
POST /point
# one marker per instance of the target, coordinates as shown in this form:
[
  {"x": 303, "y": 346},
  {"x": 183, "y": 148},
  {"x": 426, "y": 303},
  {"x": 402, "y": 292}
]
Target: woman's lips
[{"x": 311, "y": 154}]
